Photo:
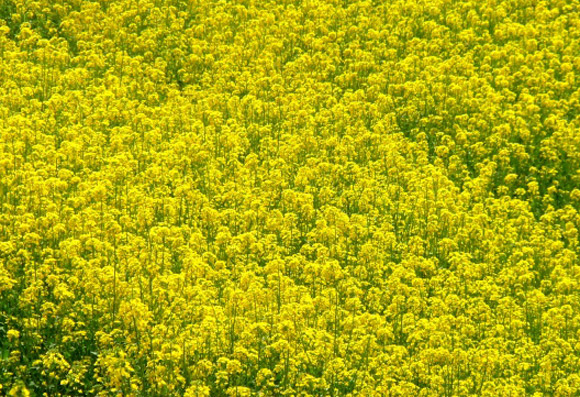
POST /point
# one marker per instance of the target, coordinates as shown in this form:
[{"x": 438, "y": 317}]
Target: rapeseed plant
[{"x": 298, "y": 197}]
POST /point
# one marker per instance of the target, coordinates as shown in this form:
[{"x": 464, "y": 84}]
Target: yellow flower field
[{"x": 289, "y": 198}]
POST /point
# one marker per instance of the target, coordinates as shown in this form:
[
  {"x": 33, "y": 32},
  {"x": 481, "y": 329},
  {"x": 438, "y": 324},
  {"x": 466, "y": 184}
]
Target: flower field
[{"x": 289, "y": 198}]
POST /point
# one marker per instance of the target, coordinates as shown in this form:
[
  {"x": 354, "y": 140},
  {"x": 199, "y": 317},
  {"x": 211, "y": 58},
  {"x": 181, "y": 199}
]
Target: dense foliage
[{"x": 285, "y": 197}]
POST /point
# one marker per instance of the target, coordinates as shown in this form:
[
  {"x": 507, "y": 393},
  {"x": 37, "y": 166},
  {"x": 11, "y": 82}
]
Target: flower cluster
[{"x": 289, "y": 197}]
